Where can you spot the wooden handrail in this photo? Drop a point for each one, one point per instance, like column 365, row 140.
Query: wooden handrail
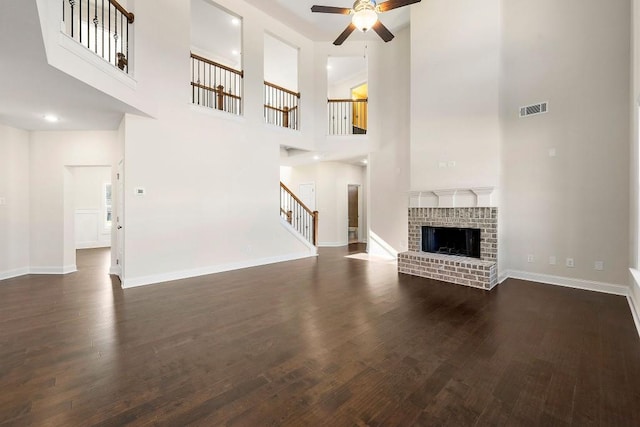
column 348, row 100
column 290, row 92
column 215, row 64
column 279, row 109
column 212, row 89
column 296, row 199
column 130, row 16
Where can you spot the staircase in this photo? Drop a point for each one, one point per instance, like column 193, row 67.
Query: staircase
column 298, row 215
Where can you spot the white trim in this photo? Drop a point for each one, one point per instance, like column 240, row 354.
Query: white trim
column 300, row 237
column 332, row 244
column 93, row 245
column 634, row 312
column 10, row 274
column 216, row 113
column 634, row 304
column 53, row 270
column 66, row 42
column 115, row 270
column 568, row 282
column 503, row 276
column 186, row 274
column 377, row 246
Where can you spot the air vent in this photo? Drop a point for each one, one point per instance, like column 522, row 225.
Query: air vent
column 534, row 110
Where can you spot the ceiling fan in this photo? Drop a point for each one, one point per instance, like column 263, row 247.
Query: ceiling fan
column 365, row 16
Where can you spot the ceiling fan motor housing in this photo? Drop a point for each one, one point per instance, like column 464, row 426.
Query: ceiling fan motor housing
column 365, row 12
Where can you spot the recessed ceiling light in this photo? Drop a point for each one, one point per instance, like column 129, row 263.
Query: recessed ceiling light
column 51, row 118
column 365, row 161
column 235, row 52
column 329, row 67
column 235, row 21
column 316, row 157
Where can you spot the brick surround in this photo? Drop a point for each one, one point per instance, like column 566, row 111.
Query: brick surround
column 479, row 273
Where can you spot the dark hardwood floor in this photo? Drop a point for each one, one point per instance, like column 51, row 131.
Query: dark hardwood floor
column 328, row 341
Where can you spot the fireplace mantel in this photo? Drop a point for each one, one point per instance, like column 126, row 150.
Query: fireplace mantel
column 477, row 197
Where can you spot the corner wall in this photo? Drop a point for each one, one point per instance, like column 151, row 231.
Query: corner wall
column 566, row 181
column 51, row 208
column 14, row 203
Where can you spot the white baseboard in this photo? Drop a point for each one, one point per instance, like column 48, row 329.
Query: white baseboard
column 332, row 244
column 53, row 270
column 186, row 274
column 588, row 285
column 10, row 274
column 503, row 276
column 633, row 305
column 93, row 245
column 115, row 270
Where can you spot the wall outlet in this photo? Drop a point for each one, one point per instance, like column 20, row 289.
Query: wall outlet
column 442, row 165
column 3, row 201
column 140, row 191
column 570, row 263
column 552, row 152
column 553, row 260
column 530, row 258
column 599, row 265
column 451, row 163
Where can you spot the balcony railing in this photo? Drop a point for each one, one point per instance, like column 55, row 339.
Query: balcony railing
column 281, row 106
column 102, row 26
column 216, row 86
column 347, row 116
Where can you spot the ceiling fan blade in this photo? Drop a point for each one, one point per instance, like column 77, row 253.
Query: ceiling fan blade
column 346, row 33
column 394, row 4
column 383, row 31
column 331, row 9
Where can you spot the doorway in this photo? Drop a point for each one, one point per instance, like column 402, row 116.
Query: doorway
column 359, row 113
column 353, row 206
column 308, row 195
column 87, row 216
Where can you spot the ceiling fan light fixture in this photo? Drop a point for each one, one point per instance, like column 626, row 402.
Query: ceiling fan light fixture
column 364, row 19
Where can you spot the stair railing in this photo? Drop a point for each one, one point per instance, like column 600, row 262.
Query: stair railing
column 281, row 106
column 347, row 116
column 101, row 26
column 215, row 85
column 298, row 215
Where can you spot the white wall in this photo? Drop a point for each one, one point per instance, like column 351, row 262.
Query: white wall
column 455, row 76
column 576, row 204
column 14, row 207
column 389, row 164
column 89, row 206
column 280, row 63
column 212, row 180
column 331, row 180
column 51, row 198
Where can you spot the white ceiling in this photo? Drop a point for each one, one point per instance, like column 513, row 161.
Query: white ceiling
column 214, row 34
column 30, row 88
column 322, row 26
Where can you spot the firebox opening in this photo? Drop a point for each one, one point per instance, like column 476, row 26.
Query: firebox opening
column 451, row 241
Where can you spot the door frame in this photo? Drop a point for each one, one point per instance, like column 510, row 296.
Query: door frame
column 360, row 211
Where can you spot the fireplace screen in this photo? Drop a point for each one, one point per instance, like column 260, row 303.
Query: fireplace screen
column 451, row 241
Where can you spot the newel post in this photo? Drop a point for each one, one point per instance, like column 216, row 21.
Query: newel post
column 220, row 97
column 315, row 228
column 285, row 119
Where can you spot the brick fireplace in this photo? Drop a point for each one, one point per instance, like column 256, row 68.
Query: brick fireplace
column 479, row 272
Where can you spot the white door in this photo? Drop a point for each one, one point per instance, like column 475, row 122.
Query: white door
column 308, row 195
column 119, row 219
